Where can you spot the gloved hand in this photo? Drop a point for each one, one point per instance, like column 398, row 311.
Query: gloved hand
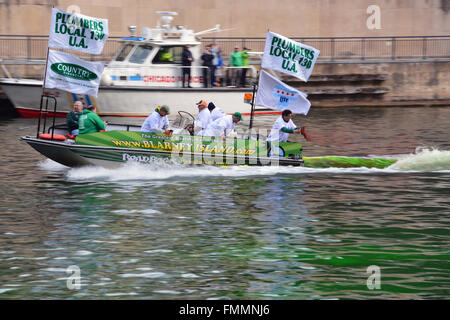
column 305, row 134
column 168, row 132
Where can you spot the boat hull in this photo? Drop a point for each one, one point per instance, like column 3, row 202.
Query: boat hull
column 73, row 155
column 126, row 101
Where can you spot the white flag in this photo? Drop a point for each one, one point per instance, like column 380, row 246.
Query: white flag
column 78, row 32
column 287, row 56
column 274, row 94
column 72, row 74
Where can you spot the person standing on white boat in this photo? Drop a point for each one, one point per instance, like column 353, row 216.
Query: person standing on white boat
column 157, row 122
column 204, row 117
column 284, row 126
column 73, row 116
column 216, row 112
column 186, row 62
column 223, row 126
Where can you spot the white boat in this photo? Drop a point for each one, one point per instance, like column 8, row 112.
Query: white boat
column 135, row 81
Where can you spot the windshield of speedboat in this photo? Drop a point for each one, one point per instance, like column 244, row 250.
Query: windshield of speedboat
column 123, row 52
column 140, row 54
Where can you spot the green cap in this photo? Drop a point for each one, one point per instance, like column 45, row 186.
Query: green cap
column 238, row 115
column 164, row 108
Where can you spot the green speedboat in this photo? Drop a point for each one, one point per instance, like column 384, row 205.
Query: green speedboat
column 124, row 143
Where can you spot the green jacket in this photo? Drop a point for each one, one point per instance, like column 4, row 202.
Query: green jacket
column 72, row 120
column 90, row 122
column 244, row 56
column 236, row 59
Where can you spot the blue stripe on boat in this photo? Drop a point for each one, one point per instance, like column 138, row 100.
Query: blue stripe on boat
column 134, row 78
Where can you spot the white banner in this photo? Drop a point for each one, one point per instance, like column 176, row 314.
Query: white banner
column 78, row 32
column 274, row 94
column 72, row 74
column 290, row 57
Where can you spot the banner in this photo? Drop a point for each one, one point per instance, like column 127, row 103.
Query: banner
column 77, row 32
column 287, row 56
column 274, row 94
column 72, row 74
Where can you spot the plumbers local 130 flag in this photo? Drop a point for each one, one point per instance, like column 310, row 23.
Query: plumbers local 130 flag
column 274, row 94
column 78, row 32
column 72, row 74
column 287, row 56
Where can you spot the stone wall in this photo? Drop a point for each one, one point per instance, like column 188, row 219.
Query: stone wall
column 378, row 84
column 248, row 18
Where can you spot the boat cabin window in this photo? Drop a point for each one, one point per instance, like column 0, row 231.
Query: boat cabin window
column 124, row 51
column 168, row 55
column 140, row 54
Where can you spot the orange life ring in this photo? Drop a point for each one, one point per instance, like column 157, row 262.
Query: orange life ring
column 48, row 136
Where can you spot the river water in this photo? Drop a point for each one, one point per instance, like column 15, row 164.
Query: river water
column 161, row 231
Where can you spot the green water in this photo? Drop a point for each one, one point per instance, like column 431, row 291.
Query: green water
column 172, row 232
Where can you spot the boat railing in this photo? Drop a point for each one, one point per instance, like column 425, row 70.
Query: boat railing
column 230, row 76
column 44, row 114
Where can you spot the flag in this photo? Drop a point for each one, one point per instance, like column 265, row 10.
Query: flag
column 274, row 94
column 287, row 56
column 77, row 32
column 72, row 74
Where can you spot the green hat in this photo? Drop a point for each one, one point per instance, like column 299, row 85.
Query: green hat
column 238, row 115
column 164, row 108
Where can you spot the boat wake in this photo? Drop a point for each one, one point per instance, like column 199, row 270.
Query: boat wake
column 423, row 160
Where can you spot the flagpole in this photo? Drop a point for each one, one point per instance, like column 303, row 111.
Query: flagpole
column 45, row 72
column 253, row 107
column 46, row 60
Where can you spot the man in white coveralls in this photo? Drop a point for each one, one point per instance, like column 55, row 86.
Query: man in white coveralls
column 223, row 126
column 216, row 112
column 283, row 126
column 203, row 119
column 157, row 121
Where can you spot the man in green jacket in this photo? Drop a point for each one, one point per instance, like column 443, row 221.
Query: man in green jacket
column 90, row 122
column 244, row 55
column 236, row 61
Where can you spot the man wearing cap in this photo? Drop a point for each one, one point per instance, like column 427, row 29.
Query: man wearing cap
column 223, row 126
column 157, row 121
column 203, row 118
column 216, row 112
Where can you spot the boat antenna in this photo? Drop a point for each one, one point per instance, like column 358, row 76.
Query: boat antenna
column 215, row 29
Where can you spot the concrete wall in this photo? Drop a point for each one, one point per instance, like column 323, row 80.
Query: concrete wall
column 407, row 83
column 247, row 18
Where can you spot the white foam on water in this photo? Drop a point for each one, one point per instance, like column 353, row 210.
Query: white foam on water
column 423, row 160
column 155, row 171
column 51, row 165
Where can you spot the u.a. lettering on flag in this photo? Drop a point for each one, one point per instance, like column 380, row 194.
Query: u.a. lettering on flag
column 288, row 56
column 69, row 73
column 274, row 94
column 77, row 32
